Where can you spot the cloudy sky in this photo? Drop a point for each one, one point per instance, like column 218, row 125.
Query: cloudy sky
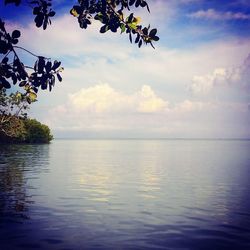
column 195, row 84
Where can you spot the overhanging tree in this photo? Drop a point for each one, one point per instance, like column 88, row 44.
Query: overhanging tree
column 43, row 73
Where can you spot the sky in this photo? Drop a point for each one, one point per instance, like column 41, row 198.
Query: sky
column 194, row 84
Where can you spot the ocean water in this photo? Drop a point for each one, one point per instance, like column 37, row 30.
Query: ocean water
column 125, row 194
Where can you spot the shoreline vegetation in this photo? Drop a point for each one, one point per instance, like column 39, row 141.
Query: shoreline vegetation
column 19, row 130
column 15, row 125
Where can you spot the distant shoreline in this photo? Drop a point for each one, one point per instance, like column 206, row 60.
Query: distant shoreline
column 167, row 139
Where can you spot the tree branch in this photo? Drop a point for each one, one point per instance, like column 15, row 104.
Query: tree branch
column 18, row 47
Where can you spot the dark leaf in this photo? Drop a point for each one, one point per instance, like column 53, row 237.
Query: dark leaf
column 130, row 37
column 152, row 45
column 4, row 47
column 56, row 65
column 39, row 20
column 137, row 38
column 140, row 44
column 52, row 81
column 36, row 10
column 44, row 85
column 156, row 38
column 35, row 89
column 22, row 83
column 14, row 41
column 153, row 32
column 48, row 66
column 52, row 13
column 59, row 77
column 131, row 2
column 130, row 18
column 4, row 83
column 145, row 31
column 5, row 60
column 14, row 79
column 41, row 64
column 16, row 34
column 104, row 28
column 45, row 22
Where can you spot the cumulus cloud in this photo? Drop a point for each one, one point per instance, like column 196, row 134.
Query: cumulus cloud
column 101, row 110
column 148, row 101
column 238, row 76
column 102, row 98
column 202, row 84
column 218, row 15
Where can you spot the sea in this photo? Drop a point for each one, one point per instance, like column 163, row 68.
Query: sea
column 126, row 194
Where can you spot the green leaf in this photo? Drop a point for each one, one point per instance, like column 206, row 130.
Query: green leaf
column 123, row 27
column 132, row 26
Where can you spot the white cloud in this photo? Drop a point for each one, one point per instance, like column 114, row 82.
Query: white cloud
column 193, row 106
column 101, row 108
column 148, row 101
column 102, row 98
column 217, row 15
column 237, row 76
column 202, row 84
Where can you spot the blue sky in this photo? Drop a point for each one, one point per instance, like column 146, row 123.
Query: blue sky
column 194, row 84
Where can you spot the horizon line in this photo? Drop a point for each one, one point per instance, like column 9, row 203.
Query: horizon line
column 141, row 138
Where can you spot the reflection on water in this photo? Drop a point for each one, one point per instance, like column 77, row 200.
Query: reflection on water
column 125, row 194
column 15, row 161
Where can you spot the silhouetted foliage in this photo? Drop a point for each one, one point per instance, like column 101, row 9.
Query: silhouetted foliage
column 43, row 74
column 13, row 70
column 111, row 14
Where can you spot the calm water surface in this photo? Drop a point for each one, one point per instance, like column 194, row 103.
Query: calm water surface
column 125, row 194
